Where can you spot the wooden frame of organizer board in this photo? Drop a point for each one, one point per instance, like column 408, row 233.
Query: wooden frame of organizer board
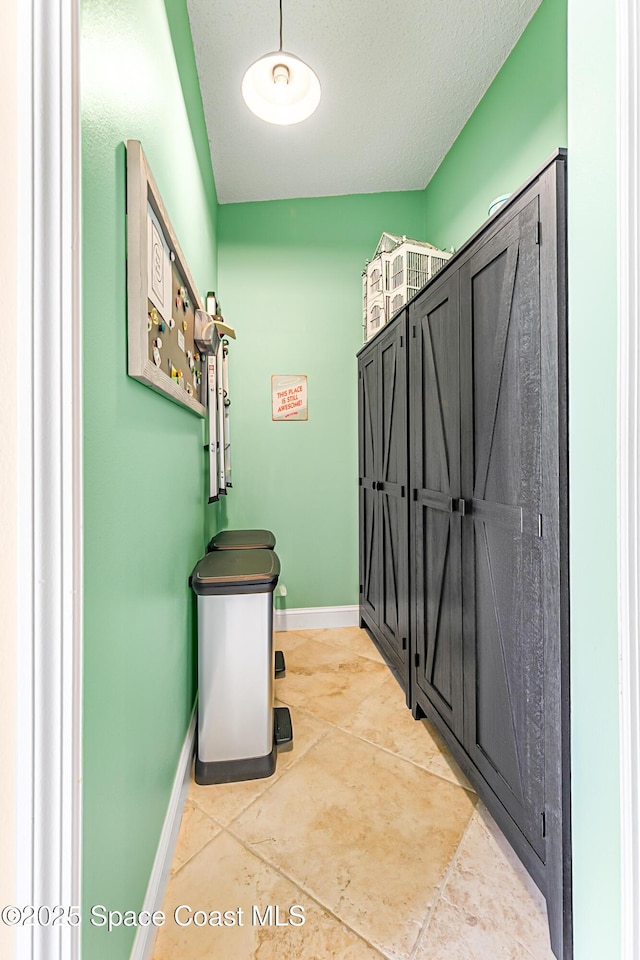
column 162, row 297
column 162, row 300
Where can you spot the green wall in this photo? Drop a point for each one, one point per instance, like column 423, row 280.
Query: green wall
column 143, row 455
column 521, row 119
column 592, row 476
column 290, row 284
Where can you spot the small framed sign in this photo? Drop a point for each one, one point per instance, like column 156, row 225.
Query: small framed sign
column 289, row 398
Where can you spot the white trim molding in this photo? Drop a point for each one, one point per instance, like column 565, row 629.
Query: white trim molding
column 316, row 618
column 146, row 935
column 628, row 149
column 50, row 470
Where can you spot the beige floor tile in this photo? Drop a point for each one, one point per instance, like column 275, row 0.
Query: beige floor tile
column 288, row 640
column 383, row 719
column 454, row 934
column 225, row 876
column 196, row 830
column 489, row 882
column 353, row 639
column 369, row 818
column 327, row 681
column 224, row 801
column 366, row 833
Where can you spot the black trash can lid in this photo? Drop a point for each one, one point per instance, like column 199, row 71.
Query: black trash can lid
column 229, row 572
column 242, row 540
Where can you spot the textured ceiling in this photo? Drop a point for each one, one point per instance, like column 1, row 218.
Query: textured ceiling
column 399, row 80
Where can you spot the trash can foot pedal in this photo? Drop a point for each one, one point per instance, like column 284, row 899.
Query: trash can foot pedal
column 283, row 729
column 281, row 667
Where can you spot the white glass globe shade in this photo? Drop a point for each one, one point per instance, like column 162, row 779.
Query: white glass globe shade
column 287, row 97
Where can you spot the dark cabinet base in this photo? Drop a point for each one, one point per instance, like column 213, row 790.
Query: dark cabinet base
column 398, row 666
column 526, row 853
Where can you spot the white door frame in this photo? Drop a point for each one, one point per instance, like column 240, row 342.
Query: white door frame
column 50, row 466
column 628, row 149
column 50, row 476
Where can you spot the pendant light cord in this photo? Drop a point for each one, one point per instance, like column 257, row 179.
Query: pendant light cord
column 280, row 47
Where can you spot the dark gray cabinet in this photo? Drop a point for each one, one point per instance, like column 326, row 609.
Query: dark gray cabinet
column 486, row 428
column 503, row 530
column 382, row 382
column 436, row 490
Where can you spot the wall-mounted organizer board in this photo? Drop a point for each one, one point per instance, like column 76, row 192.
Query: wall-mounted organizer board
column 161, row 295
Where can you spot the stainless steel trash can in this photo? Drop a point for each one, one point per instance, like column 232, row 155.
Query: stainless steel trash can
column 238, row 727
column 250, row 540
column 242, row 540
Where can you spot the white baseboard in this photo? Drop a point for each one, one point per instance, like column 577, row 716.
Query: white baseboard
column 145, row 937
column 316, row 618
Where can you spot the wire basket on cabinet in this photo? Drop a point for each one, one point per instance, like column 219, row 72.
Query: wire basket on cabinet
column 399, row 268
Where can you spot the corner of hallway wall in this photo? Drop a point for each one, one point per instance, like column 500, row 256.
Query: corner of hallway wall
column 180, row 29
column 143, row 455
column 214, row 516
column 520, row 121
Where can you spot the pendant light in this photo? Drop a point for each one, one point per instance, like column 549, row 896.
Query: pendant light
column 281, row 88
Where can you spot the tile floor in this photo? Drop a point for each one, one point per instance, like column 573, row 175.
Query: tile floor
column 367, row 824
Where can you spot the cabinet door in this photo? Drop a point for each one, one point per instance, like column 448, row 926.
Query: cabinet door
column 435, row 482
column 502, row 588
column 392, row 491
column 368, row 416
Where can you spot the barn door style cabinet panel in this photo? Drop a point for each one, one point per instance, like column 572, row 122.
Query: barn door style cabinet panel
column 436, row 529
column 384, row 599
column 484, row 453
